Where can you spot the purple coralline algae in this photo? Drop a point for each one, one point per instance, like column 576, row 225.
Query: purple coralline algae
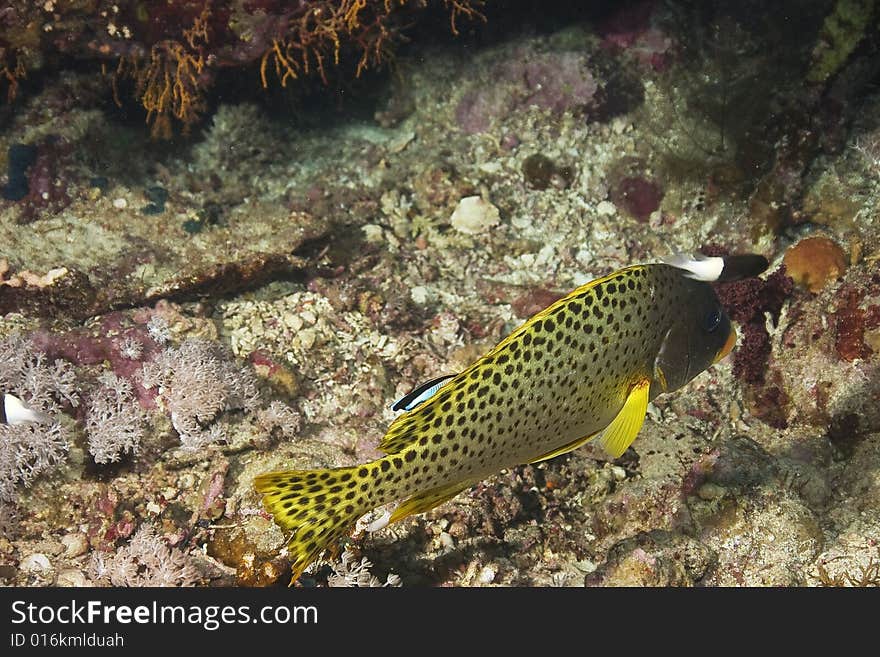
column 553, row 81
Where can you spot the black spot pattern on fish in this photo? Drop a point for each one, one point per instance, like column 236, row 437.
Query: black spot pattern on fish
column 579, row 358
column 561, row 376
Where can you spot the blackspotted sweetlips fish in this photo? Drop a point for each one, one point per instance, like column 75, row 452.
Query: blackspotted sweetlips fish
column 583, row 368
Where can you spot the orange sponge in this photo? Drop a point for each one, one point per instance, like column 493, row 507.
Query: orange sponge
column 814, row 262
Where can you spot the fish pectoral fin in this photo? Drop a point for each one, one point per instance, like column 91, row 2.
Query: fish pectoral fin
column 428, row 500
column 568, row 447
column 624, row 428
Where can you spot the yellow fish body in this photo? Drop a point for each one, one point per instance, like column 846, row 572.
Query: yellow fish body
column 587, row 364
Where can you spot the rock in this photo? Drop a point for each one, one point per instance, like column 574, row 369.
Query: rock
column 762, row 532
column 72, row 578
column 764, row 540
column 246, row 549
column 656, row 558
column 710, row 491
column 74, row 544
column 37, row 563
column 474, row 215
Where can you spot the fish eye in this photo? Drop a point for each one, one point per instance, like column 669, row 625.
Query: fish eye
column 713, row 319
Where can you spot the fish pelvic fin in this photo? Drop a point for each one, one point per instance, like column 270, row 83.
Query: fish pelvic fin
column 428, row 500
column 624, row 428
column 319, row 507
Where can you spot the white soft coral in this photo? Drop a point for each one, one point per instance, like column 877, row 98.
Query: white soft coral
column 196, row 382
column 29, row 448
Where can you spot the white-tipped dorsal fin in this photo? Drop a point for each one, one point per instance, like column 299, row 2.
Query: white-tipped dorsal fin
column 699, row 267
column 15, row 412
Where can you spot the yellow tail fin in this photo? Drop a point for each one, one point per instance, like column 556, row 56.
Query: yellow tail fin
column 320, row 507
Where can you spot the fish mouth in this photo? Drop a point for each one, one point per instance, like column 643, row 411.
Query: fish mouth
column 731, row 342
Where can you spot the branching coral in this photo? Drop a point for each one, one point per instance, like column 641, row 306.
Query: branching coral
column 308, row 39
column 278, row 416
column 746, row 302
column 196, row 382
column 171, row 83
column 114, row 421
column 30, row 448
column 11, row 70
column 868, row 575
column 20, row 38
column 349, row 572
column 842, row 31
column 169, row 86
column 25, row 373
column 319, row 33
column 26, row 450
column 145, row 561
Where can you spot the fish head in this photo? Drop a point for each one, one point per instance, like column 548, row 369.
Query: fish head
column 701, row 334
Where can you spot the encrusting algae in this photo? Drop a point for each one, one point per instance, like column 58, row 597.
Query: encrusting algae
column 587, row 364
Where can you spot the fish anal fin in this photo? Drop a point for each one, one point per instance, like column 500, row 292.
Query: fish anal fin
column 568, row 447
column 428, row 500
column 624, row 428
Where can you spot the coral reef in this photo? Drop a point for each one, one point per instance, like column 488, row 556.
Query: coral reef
column 192, row 313
column 554, row 81
column 350, row 571
column 173, row 52
column 144, row 561
column 749, row 302
column 30, row 448
column 842, row 31
column 195, row 382
column 114, row 421
column 27, row 450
